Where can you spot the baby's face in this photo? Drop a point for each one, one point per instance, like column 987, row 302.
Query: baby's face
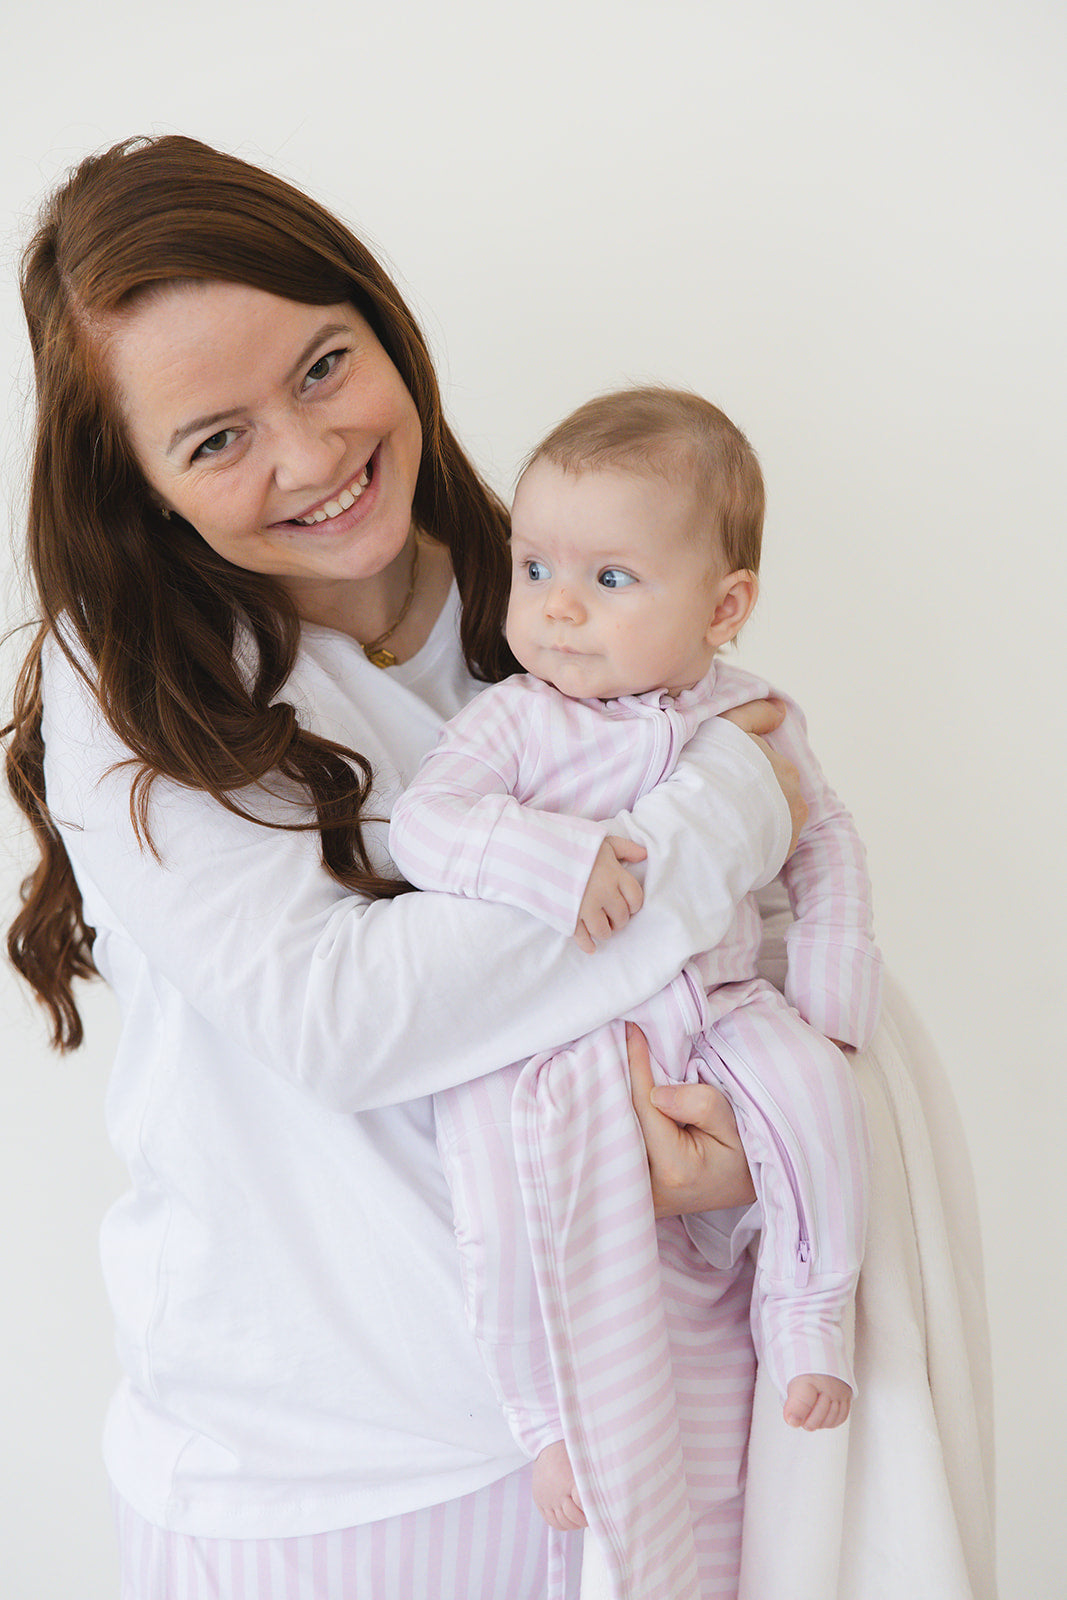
column 613, row 582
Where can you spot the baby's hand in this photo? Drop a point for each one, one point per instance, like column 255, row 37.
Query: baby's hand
column 612, row 894
column 815, row 1401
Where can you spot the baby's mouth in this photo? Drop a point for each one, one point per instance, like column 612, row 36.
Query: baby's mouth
column 347, row 497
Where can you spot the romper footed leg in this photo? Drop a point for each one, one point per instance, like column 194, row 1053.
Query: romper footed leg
column 708, row 1312
column 585, row 1178
column 802, row 1124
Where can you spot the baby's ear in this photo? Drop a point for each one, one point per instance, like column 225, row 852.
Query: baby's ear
column 734, row 597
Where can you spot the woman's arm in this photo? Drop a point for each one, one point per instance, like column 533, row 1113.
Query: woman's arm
column 369, row 1004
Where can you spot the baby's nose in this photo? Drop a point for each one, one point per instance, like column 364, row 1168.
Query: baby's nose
column 564, row 604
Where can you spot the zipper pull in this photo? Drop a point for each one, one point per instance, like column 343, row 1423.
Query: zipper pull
column 803, row 1263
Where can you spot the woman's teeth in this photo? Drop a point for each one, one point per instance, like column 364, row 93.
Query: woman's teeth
column 333, row 508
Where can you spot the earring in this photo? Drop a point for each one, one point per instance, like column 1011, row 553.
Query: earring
column 164, row 511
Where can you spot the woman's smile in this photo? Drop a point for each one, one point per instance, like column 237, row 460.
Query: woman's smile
column 332, row 509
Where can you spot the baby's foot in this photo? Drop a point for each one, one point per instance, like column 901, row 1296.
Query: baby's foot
column 554, row 1491
column 815, row 1401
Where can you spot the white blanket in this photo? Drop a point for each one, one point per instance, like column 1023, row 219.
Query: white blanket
column 897, row 1504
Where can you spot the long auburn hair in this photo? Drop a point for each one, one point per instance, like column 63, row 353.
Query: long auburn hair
column 154, row 609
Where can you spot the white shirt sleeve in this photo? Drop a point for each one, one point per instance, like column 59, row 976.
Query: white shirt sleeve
column 368, row 1004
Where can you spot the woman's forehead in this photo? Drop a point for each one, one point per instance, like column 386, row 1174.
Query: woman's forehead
column 194, row 348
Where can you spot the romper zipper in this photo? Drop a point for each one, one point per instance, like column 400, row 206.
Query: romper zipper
column 796, row 1173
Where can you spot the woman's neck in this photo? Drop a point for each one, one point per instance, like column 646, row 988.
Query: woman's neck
column 386, row 603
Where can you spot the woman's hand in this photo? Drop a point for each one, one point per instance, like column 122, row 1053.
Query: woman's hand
column 694, row 1150
column 763, row 716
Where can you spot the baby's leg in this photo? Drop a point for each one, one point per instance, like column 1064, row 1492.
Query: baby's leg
column 708, row 1313
column 475, row 1141
column 801, row 1119
column 595, row 1247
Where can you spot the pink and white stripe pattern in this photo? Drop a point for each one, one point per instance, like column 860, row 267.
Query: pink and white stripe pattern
column 476, row 1144
column 655, row 1424
column 491, row 1545
column 460, row 829
column 802, row 1123
column 642, row 1419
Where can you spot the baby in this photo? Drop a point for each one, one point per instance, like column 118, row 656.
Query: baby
column 636, row 533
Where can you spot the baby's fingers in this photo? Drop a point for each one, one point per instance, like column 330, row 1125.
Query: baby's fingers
column 626, row 898
column 604, row 920
column 626, row 849
column 599, row 922
column 632, row 893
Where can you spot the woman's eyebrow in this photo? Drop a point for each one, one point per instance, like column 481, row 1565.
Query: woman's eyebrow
column 196, row 426
column 328, row 331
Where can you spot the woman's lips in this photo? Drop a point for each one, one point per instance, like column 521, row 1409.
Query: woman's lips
column 343, row 501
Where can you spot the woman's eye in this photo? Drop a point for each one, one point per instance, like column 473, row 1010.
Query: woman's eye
column 216, row 444
column 615, row 578
column 536, row 571
column 322, row 368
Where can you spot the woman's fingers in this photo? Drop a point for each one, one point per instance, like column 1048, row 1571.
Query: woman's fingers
column 695, row 1158
column 700, row 1105
column 757, row 716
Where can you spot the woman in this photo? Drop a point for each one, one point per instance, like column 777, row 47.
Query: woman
column 246, row 513
column 243, row 476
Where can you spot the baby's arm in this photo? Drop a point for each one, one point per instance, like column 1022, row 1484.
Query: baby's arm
column 458, row 827
column 834, row 975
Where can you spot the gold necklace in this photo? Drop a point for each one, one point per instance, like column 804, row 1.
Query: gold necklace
column 373, row 651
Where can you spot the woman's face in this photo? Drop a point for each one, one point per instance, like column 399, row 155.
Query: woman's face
column 281, row 431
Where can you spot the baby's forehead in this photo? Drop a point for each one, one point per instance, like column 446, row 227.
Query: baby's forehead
column 674, row 458
column 641, row 495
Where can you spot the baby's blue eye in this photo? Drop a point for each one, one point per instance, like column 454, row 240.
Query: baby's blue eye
column 615, row 578
column 537, row 572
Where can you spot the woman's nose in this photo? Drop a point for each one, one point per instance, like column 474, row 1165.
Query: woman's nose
column 306, row 455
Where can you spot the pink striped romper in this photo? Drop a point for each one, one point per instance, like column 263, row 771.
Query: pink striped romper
column 616, row 1336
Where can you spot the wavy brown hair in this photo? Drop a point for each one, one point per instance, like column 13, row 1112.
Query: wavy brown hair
column 154, row 609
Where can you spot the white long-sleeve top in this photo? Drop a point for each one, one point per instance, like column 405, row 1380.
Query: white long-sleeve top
column 513, row 803
column 282, row 1269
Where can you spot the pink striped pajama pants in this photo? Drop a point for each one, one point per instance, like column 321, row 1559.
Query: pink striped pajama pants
column 641, row 1358
column 491, row 1545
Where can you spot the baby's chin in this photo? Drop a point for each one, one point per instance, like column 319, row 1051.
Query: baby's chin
column 579, row 684
column 579, row 675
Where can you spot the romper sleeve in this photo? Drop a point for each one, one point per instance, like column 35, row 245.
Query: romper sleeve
column 459, row 826
column 834, row 972
column 363, row 1003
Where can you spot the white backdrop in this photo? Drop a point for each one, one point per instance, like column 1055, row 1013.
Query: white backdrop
column 845, row 224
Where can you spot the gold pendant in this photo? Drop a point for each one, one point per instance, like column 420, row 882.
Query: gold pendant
column 379, row 658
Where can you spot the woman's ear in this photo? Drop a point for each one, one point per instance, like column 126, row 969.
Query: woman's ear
column 734, row 597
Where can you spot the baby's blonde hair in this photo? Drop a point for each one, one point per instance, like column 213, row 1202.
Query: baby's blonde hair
column 681, row 436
